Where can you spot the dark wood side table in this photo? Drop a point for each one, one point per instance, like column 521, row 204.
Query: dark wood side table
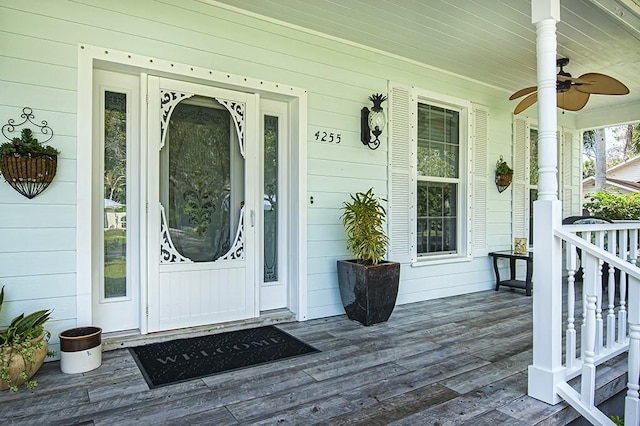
column 512, row 281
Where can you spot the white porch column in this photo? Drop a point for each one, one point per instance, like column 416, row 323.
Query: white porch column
column 546, row 370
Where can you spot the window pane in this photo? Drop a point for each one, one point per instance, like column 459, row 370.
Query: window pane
column 437, row 217
column 533, row 196
column 533, row 157
column 115, row 195
column 438, row 142
column 270, row 197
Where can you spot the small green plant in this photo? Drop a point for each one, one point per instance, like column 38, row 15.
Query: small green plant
column 27, row 146
column 502, row 168
column 615, row 206
column 619, row 421
column 363, row 219
column 25, row 337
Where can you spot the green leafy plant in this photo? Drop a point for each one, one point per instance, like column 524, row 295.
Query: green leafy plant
column 363, row 219
column 615, row 206
column 23, row 338
column 619, row 421
column 27, row 146
column 502, row 168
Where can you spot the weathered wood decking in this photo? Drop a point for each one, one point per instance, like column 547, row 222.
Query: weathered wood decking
column 458, row 360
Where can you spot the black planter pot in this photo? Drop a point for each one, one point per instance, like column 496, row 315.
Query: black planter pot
column 368, row 292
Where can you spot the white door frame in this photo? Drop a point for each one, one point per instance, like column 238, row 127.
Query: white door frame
column 90, row 57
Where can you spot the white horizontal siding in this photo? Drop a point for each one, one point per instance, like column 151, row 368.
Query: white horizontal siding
column 629, row 171
column 38, row 61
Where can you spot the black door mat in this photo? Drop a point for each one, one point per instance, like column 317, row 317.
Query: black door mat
column 186, row 359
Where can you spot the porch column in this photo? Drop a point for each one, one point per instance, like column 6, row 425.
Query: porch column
column 546, row 370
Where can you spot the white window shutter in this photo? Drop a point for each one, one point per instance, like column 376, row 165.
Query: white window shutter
column 520, row 207
column 482, row 177
column 401, row 116
column 568, row 182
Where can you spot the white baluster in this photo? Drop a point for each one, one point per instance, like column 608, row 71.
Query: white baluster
column 633, row 246
column 599, row 321
column 571, row 302
column 587, row 236
column 611, row 291
column 587, row 387
column 622, row 312
column 632, row 402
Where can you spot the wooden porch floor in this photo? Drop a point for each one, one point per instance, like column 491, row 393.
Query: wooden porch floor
column 458, row 360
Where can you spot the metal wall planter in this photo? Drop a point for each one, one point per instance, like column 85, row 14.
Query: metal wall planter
column 27, row 165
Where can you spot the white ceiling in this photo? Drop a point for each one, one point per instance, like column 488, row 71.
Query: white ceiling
column 492, row 41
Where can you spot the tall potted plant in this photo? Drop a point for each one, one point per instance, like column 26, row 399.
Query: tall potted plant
column 23, row 348
column 368, row 283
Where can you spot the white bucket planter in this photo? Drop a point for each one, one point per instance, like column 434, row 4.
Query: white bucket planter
column 80, row 349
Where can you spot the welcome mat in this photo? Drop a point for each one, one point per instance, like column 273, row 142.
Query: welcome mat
column 186, row 359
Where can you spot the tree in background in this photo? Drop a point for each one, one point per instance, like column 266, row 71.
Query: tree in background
column 633, row 135
column 601, row 158
column 626, row 144
column 623, row 143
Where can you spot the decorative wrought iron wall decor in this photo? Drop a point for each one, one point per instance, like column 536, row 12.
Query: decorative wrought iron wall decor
column 27, row 165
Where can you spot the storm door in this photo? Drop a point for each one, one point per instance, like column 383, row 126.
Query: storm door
column 202, row 180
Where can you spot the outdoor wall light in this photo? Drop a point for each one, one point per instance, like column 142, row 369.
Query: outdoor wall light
column 372, row 122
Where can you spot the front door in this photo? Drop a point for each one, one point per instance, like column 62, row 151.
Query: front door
column 203, row 192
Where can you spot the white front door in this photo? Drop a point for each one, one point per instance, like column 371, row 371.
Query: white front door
column 203, row 195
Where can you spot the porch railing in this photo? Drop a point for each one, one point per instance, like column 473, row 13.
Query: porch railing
column 602, row 315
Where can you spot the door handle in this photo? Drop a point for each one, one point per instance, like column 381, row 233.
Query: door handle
column 253, row 218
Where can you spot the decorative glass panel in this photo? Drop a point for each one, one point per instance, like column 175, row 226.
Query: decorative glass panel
column 437, row 220
column 270, row 198
column 202, row 179
column 115, row 195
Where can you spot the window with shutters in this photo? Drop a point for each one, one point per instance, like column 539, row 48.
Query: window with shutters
column 525, row 178
column 438, row 184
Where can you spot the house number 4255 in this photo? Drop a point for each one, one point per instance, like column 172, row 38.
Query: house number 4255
column 330, row 137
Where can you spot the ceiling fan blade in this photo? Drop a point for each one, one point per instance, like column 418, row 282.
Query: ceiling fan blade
column 523, row 92
column 572, row 100
column 526, row 103
column 600, row 84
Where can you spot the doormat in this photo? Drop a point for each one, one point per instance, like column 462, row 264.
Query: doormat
column 186, row 359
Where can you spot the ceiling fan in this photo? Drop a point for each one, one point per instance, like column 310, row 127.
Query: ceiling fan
column 573, row 93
